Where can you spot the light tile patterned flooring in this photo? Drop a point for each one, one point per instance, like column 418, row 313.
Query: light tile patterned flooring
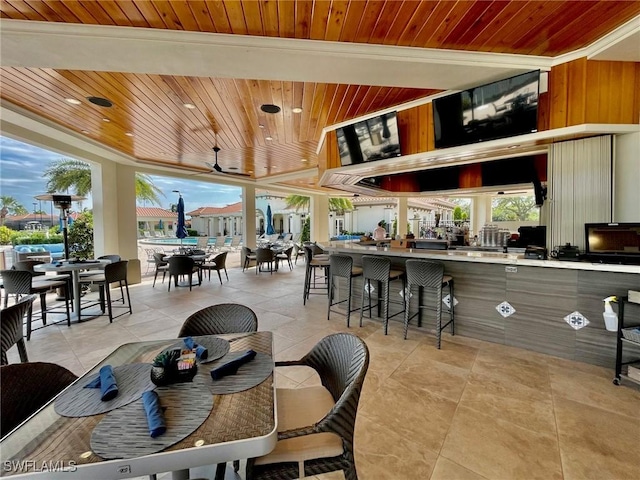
column 470, row 411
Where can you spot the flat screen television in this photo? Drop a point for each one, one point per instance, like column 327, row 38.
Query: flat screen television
column 497, row 110
column 373, row 139
column 613, row 242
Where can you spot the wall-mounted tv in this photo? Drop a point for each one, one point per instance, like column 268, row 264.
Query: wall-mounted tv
column 373, row 139
column 613, row 242
column 497, row 110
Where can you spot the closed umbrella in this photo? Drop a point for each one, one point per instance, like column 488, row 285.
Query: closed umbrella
column 270, row 230
column 181, row 229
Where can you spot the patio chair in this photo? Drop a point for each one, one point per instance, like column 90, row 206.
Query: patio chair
column 220, row 319
column 20, row 282
column 150, row 257
column 115, row 272
column 264, row 255
column 249, row 256
column 11, row 328
column 26, row 387
column 183, row 265
column 236, row 241
column 227, row 243
column 161, row 266
column 316, row 424
column 285, row 255
column 217, row 263
column 298, row 251
column 219, row 244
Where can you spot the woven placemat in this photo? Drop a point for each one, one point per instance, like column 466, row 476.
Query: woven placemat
column 124, row 433
column 248, row 376
column 216, row 347
column 132, row 380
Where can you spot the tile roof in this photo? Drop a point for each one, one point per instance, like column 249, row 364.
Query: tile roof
column 233, row 208
column 155, row 212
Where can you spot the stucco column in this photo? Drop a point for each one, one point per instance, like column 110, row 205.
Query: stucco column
column 480, row 213
column 402, row 216
column 319, row 218
column 249, row 215
column 115, row 227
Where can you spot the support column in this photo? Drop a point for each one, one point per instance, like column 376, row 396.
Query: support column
column 403, row 203
column 480, row 213
column 249, row 215
column 319, row 218
column 115, row 227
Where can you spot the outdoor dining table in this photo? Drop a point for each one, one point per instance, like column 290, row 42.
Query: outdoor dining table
column 75, row 269
column 238, row 422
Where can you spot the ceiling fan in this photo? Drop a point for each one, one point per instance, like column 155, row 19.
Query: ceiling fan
column 217, row 168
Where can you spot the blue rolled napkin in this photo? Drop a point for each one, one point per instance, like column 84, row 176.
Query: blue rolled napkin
column 201, row 352
column 155, row 417
column 231, row 367
column 106, row 382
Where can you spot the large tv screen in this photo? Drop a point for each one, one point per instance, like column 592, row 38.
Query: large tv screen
column 373, row 139
column 497, row 110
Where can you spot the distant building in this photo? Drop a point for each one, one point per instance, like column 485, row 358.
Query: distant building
column 156, row 222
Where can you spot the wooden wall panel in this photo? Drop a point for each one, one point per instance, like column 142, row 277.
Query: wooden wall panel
column 470, row 176
column 404, row 182
column 589, row 91
column 544, row 109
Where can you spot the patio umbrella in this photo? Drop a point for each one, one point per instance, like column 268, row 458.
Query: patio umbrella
column 181, row 229
column 270, row 230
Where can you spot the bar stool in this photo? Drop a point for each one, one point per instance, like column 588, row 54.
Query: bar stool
column 428, row 275
column 341, row 266
column 379, row 270
column 313, row 264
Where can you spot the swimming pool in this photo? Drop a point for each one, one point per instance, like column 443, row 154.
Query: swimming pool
column 176, row 241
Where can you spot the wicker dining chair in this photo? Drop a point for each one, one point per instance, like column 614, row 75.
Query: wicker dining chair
column 26, row 387
column 217, row 263
column 161, row 266
column 114, row 273
column 318, row 418
column 249, row 256
column 285, row 255
column 265, row 255
column 11, row 328
column 182, row 265
column 220, row 319
column 21, row 282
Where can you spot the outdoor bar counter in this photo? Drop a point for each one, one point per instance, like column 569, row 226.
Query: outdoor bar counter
column 548, row 299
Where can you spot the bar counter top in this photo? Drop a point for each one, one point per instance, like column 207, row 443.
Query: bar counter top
column 476, row 257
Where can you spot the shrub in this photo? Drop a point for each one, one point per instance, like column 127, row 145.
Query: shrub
column 306, row 230
column 5, row 235
column 81, row 236
column 192, row 232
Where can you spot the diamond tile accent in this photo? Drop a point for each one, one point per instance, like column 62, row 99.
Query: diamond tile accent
column 402, row 292
column 576, row 320
column 505, row 309
column 446, row 301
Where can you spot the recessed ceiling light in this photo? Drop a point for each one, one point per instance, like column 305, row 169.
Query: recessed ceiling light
column 260, row 125
column 249, row 171
column 85, row 131
column 190, row 106
column 101, row 102
column 129, row 134
column 514, row 146
column 268, row 137
column 106, row 120
column 270, row 108
column 72, row 101
column 305, row 160
column 296, row 110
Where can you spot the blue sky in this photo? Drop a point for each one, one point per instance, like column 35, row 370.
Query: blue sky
column 21, row 167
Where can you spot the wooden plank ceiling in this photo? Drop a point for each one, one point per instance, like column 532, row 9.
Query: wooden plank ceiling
column 151, row 107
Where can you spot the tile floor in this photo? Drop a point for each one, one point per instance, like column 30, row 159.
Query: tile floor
column 472, row 410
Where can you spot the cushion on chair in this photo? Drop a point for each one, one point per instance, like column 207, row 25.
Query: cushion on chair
column 297, row 408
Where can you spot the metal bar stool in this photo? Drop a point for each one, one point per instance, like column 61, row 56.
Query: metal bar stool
column 379, row 270
column 341, row 266
column 313, row 264
column 429, row 275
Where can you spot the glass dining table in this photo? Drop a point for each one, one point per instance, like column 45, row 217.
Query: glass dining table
column 236, row 419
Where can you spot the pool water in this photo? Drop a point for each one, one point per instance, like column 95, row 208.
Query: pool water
column 176, row 241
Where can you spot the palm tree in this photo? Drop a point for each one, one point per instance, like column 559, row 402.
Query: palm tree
column 9, row 205
column 336, row 204
column 66, row 174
